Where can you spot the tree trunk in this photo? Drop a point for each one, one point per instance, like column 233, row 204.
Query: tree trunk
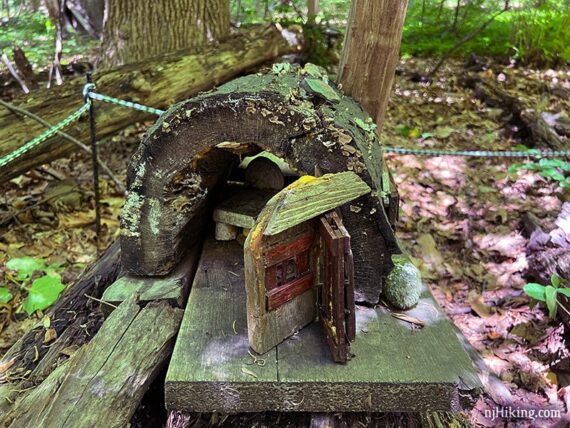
column 133, row 32
column 312, row 10
column 159, row 84
column 371, row 53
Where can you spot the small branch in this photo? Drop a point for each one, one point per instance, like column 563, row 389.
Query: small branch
column 465, row 39
column 14, row 73
column 100, row 301
column 118, row 185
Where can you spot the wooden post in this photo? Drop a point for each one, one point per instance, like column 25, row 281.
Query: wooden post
column 371, row 53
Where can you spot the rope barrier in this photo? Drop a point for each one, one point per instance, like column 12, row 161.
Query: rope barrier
column 481, row 153
column 88, row 92
column 10, row 157
column 89, row 95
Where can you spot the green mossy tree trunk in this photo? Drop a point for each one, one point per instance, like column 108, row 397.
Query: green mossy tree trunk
column 133, row 31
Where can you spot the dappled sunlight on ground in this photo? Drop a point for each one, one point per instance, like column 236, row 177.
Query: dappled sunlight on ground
column 460, row 218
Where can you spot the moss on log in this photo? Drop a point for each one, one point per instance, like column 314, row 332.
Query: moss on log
column 296, row 114
column 103, row 383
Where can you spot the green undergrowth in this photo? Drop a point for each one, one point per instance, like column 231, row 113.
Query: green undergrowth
column 34, row 33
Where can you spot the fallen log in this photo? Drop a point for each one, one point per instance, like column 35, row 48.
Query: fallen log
column 31, row 359
column 103, row 383
column 533, row 121
column 159, row 82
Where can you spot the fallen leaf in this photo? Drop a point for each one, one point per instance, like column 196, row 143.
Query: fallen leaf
column 429, row 251
column 476, row 302
column 50, row 335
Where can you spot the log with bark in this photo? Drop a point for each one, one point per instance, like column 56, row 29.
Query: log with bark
column 295, row 114
column 159, row 82
column 73, row 321
column 534, row 122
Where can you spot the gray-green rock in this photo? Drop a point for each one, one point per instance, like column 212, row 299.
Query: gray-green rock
column 403, row 283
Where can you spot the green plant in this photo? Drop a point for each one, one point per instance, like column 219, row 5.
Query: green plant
column 43, row 290
column 553, row 169
column 548, row 293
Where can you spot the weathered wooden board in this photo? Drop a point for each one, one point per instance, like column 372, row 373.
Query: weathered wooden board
column 213, row 348
column 173, row 287
column 103, row 383
column 310, row 197
column 395, row 368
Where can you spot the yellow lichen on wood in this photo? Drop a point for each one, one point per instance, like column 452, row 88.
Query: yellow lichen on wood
column 311, row 196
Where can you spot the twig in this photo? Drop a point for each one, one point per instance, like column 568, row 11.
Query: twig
column 100, row 301
column 465, row 39
column 14, row 73
column 118, row 185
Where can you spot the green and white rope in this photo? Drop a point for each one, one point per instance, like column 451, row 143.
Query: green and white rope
column 88, row 92
column 10, row 157
column 89, row 95
column 481, row 153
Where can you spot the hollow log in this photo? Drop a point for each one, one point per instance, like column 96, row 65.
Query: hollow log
column 159, row 83
column 297, row 115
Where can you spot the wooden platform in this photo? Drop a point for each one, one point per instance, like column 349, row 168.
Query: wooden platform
column 396, row 367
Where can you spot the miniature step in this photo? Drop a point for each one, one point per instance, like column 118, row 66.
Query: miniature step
column 173, row 287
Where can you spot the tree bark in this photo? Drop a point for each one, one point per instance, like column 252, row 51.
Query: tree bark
column 371, row 53
column 159, row 83
column 312, row 10
column 133, row 32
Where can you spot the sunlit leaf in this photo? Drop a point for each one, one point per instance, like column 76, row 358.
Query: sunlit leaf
column 550, row 293
column 536, row 291
column 5, row 295
column 555, row 280
column 42, row 294
column 25, row 266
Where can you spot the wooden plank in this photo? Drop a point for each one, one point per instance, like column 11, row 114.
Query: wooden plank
column 393, row 362
column 396, row 368
column 106, row 379
column 242, row 208
column 211, row 367
column 310, row 197
column 172, row 288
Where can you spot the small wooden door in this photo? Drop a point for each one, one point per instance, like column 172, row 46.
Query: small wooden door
column 298, row 264
column 335, row 297
column 288, row 270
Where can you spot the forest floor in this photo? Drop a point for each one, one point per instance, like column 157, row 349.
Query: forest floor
column 460, row 219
